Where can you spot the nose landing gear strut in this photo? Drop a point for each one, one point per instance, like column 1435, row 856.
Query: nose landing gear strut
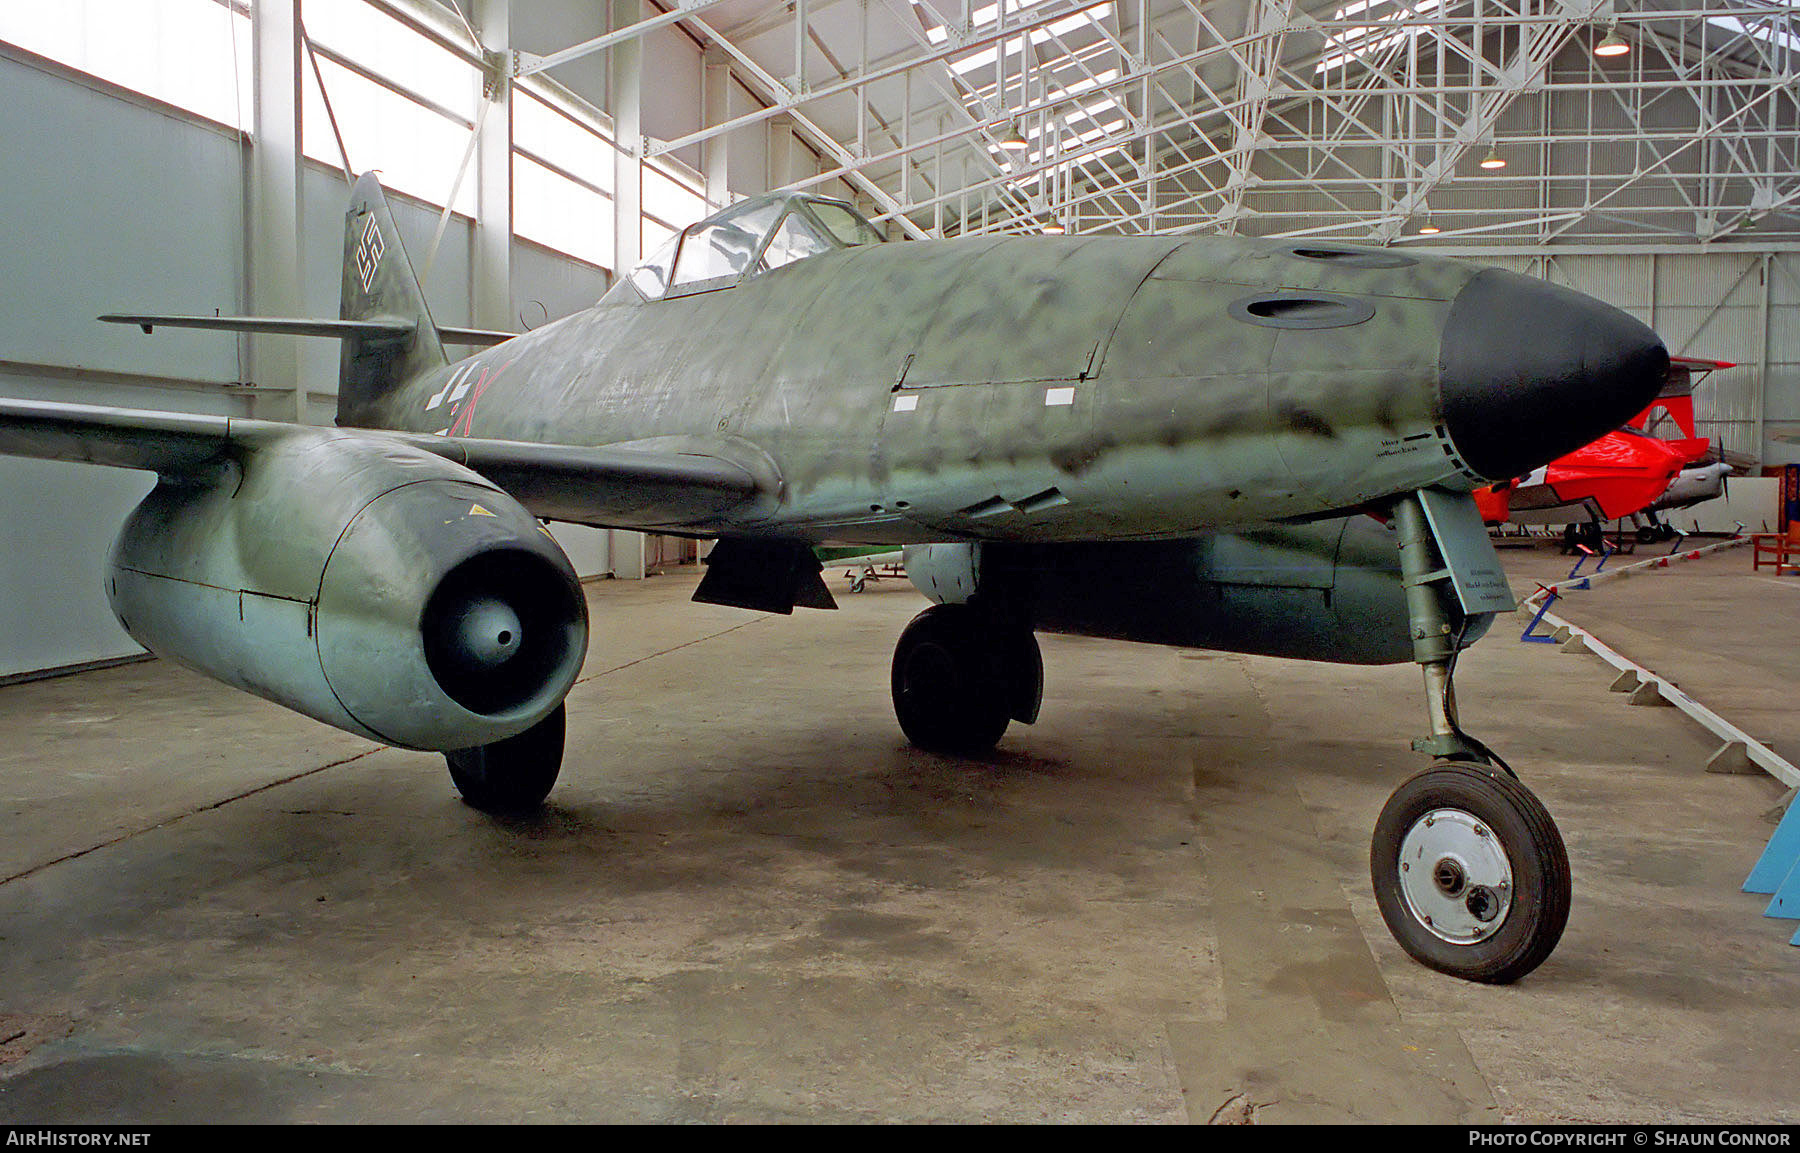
column 1469, row 870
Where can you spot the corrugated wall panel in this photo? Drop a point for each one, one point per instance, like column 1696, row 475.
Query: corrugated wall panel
column 1704, row 278
column 1623, row 281
column 1781, row 389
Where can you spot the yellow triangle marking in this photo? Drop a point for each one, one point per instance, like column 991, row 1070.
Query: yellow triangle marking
column 477, row 510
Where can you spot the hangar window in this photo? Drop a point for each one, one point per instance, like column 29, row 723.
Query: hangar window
column 193, row 54
column 562, row 213
column 671, row 203
column 1382, row 24
column 417, row 148
column 562, row 180
column 401, row 82
column 1078, row 59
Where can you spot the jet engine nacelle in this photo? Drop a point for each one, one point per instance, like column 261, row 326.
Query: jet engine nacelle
column 1327, row 591
column 366, row 583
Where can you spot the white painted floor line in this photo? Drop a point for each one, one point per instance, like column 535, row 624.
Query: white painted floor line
column 1758, row 753
column 1578, row 582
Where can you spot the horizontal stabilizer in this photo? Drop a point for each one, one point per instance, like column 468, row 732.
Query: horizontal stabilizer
column 277, row 325
column 481, row 336
column 291, row 326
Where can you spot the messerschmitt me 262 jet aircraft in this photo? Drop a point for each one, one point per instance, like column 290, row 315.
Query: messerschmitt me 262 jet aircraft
column 1249, row 446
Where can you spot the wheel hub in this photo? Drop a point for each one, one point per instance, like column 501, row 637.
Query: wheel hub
column 1455, row 876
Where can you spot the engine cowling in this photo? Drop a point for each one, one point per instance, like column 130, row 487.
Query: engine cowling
column 1329, row 591
column 363, row 582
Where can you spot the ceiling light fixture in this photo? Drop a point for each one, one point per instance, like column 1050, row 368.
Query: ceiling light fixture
column 1493, row 160
column 1428, row 228
column 1612, row 44
column 1054, row 228
column 1013, row 141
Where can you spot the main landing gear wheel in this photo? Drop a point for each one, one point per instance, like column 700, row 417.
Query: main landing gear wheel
column 1470, row 873
column 513, row 776
column 958, row 677
column 1587, row 534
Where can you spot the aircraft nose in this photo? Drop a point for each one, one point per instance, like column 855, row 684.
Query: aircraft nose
column 1529, row 371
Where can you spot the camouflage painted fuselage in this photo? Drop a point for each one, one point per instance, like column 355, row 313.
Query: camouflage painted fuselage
column 1003, row 388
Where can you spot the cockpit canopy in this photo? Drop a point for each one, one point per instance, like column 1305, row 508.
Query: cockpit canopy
column 747, row 238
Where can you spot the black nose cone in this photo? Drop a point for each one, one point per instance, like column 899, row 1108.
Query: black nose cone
column 1530, row 371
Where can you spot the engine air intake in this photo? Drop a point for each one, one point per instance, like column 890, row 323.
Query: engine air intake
column 497, row 628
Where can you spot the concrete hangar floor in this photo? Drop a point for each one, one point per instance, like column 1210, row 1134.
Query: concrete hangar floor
column 749, row 900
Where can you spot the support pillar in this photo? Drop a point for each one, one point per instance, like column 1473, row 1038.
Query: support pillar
column 785, row 153
column 715, row 164
column 627, row 550
column 625, row 74
column 274, row 264
column 490, row 303
column 625, row 96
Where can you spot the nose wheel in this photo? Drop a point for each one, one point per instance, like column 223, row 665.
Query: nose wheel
column 1470, row 873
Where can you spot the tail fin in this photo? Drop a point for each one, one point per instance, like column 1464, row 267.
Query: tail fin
column 379, row 285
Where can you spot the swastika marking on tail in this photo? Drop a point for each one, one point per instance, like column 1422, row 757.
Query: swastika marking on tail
column 368, row 253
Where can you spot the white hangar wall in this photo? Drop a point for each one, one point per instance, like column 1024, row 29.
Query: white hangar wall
column 117, row 202
column 146, row 211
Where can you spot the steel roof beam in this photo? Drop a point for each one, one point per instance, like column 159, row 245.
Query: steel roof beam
column 528, row 64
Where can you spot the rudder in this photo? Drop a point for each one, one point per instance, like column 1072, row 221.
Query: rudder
column 379, row 284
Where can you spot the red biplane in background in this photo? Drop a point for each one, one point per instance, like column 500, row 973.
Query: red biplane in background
column 1631, row 471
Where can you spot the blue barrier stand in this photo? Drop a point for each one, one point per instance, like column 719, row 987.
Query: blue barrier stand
column 1778, row 860
column 1531, row 634
column 1785, row 904
column 1605, row 554
column 1778, row 857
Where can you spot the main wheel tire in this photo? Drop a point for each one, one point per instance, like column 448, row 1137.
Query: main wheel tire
column 513, row 776
column 949, row 683
column 1470, row 873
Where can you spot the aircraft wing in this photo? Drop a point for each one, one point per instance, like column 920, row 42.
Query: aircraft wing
column 622, row 485
column 618, row 485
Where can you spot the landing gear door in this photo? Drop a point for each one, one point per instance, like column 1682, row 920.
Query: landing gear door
column 1469, row 555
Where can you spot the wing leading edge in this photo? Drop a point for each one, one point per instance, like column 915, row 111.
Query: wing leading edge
column 616, row 485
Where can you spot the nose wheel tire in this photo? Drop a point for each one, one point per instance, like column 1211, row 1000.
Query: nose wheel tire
column 1470, row 873
column 511, row 777
column 949, row 686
